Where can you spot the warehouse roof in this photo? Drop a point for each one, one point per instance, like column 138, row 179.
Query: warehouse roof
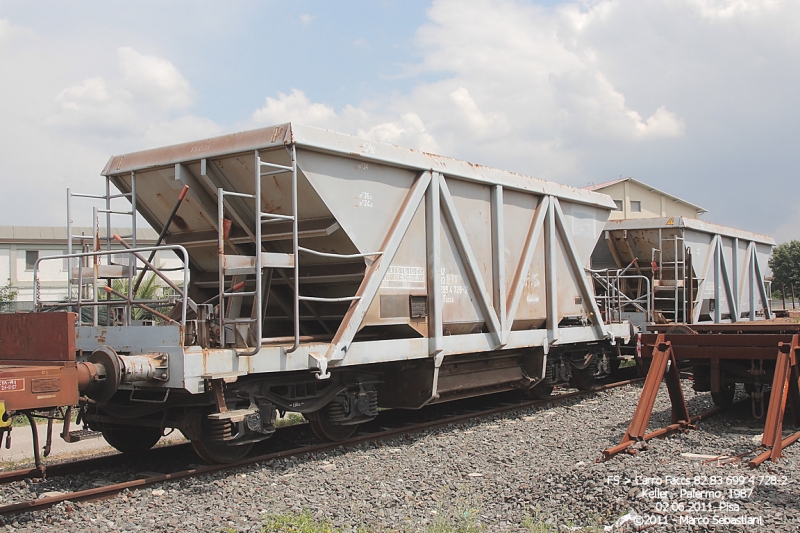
column 58, row 234
column 600, row 186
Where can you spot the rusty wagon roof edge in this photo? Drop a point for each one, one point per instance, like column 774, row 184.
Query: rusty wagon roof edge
column 690, row 223
column 321, row 140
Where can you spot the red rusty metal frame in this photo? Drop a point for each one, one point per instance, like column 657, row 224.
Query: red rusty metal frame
column 713, row 346
column 664, row 365
column 785, row 386
column 36, row 338
column 716, row 343
column 37, row 360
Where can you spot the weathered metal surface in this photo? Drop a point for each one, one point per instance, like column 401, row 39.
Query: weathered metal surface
column 664, row 365
column 722, row 349
column 234, row 145
column 785, row 389
column 760, row 327
column 745, row 340
column 723, row 267
column 140, row 340
column 716, row 346
column 38, row 386
column 443, row 233
column 37, row 337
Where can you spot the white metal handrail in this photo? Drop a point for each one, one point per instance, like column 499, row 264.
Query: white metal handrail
column 615, row 300
column 130, row 301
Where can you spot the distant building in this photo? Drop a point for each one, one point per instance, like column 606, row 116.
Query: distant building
column 636, row 200
column 22, row 246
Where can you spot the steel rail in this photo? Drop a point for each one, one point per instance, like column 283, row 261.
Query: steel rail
column 79, row 466
column 104, row 492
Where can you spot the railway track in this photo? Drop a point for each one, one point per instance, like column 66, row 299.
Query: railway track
column 106, row 462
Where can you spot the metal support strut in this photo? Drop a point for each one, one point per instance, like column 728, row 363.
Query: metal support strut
column 785, row 386
column 663, row 366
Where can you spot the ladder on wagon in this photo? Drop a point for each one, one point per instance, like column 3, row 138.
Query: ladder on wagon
column 670, row 277
column 103, row 259
column 234, row 269
column 77, row 267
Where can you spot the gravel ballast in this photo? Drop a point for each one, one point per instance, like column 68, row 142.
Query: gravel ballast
column 515, row 472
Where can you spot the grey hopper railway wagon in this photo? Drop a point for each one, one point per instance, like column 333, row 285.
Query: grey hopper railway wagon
column 327, row 275
column 681, row 270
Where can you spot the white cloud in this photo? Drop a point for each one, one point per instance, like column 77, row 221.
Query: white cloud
column 408, row 131
column 528, row 64
column 92, row 90
column 294, row 107
column 479, row 122
column 8, row 31
column 154, row 80
column 672, row 92
column 589, row 104
column 514, row 80
column 88, row 107
column 5, row 29
column 662, row 123
column 132, row 105
column 183, row 129
column 723, row 9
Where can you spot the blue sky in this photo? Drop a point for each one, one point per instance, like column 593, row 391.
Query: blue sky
column 696, row 97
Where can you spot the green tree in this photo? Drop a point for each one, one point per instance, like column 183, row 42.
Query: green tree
column 7, row 293
column 148, row 290
column 785, row 265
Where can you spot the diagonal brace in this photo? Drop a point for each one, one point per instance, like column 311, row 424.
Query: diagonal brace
column 664, row 365
column 784, row 387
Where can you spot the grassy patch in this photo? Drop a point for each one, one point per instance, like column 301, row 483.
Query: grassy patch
column 626, row 363
column 297, row 523
column 534, row 524
column 290, row 419
column 461, row 522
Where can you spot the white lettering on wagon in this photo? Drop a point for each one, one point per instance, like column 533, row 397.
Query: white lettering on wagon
column 452, row 286
column 364, row 199
column 404, row 277
column 12, row 384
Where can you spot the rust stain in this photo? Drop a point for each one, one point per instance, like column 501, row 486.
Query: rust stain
column 206, row 355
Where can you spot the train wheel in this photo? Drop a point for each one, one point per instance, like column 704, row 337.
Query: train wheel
column 540, row 391
column 215, row 451
column 132, row 440
column 724, row 398
column 219, row 452
column 681, row 330
column 583, row 379
column 325, row 430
